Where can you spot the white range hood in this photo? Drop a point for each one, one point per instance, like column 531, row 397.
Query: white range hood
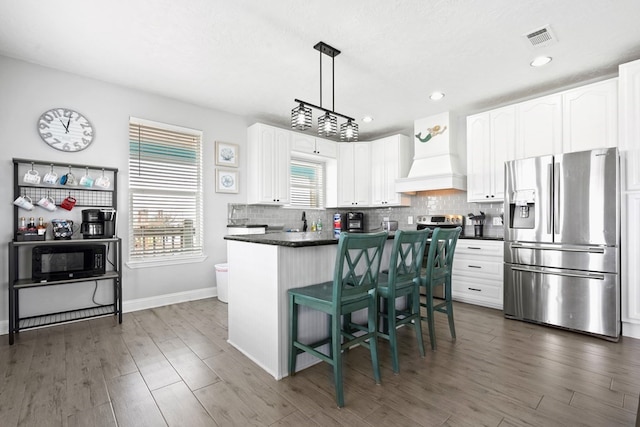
column 435, row 162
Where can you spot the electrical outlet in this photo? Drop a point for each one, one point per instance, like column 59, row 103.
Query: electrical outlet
column 497, row 220
column 410, row 220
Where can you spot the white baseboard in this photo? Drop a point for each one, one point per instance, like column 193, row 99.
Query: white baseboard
column 631, row 330
column 150, row 302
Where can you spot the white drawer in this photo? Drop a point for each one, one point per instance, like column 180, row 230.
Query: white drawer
column 477, row 292
column 478, row 267
column 491, row 248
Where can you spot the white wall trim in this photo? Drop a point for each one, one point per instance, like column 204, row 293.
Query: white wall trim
column 150, row 302
column 631, row 330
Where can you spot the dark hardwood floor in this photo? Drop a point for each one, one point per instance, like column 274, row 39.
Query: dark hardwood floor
column 173, row 366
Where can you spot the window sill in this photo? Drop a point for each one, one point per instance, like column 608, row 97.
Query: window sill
column 165, row 261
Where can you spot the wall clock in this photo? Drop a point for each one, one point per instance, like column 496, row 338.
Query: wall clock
column 65, row 129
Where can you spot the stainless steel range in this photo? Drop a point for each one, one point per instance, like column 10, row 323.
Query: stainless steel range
column 442, row 221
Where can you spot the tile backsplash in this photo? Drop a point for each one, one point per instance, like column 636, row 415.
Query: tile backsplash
column 427, row 203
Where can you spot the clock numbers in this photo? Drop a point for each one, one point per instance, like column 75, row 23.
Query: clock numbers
column 65, row 129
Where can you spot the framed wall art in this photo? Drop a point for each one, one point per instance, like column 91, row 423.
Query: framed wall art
column 226, row 181
column 226, row 154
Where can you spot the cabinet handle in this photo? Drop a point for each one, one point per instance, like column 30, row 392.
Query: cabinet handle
column 475, row 289
column 474, row 266
column 474, row 247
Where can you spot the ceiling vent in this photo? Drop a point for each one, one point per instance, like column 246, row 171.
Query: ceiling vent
column 541, row 37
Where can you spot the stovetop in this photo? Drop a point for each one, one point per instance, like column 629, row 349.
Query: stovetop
column 450, row 220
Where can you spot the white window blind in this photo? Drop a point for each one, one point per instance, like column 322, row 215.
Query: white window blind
column 307, row 183
column 165, row 191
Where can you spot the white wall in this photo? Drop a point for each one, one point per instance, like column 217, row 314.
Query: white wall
column 26, row 91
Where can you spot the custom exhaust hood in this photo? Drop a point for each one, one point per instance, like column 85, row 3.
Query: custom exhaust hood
column 435, row 162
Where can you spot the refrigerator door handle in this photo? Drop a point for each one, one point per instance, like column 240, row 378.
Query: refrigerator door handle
column 589, row 249
column 550, row 206
column 556, row 197
column 596, row 276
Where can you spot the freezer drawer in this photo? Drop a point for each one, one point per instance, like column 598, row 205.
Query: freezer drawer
column 579, row 300
column 573, row 257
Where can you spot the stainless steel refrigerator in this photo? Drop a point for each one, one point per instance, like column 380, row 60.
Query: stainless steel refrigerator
column 562, row 241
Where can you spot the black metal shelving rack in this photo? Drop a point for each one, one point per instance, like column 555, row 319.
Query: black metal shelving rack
column 86, row 197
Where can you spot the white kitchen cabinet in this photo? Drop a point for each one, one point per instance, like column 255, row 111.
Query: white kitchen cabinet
column 268, row 162
column 629, row 145
column 354, row 174
column 490, row 142
column 312, row 145
column 590, row 117
column 390, row 160
column 539, row 127
column 478, row 272
column 629, row 114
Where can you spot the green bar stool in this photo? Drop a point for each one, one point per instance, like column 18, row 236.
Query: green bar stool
column 353, row 288
column 439, row 265
column 402, row 280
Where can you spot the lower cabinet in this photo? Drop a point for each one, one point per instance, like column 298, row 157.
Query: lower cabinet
column 478, row 272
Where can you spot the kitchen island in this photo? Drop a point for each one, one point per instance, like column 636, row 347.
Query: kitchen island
column 262, row 268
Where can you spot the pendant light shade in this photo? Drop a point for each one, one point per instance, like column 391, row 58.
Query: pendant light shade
column 301, row 117
column 349, row 131
column 327, row 125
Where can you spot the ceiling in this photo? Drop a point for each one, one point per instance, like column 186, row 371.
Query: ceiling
column 254, row 57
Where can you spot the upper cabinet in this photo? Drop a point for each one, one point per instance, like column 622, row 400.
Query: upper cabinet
column 490, row 142
column 312, row 145
column 390, row 160
column 539, row 127
column 354, row 174
column 268, row 162
column 590, row 117
column 630, row 125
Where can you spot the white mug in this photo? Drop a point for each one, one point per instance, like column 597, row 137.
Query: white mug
column 86, row 181
column 24, row 202
column 68, row 179
column 50, row 178
column 32, row 177
column 48, row 203
column 102, row 182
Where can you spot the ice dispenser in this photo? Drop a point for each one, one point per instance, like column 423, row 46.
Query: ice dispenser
column 522, row 209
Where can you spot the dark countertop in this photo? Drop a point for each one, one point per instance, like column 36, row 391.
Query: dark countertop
column 291, row 239
column 247, row 225
column 483, row 238
column 310, row 238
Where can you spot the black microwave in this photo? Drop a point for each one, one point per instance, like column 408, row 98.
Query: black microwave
column 61, row 262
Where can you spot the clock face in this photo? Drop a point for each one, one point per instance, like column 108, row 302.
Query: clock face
column 65, row 129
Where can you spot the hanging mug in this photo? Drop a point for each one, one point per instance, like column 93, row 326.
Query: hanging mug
column 48, row 203
column 50, row 178
column 86, row 181
column 32, row 177
column 24, row 202
column 68, row 203
column 102, row 182
column 68, row 179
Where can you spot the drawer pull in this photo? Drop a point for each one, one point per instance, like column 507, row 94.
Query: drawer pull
column 475, row 289
column 474, row 247
column 474, row 266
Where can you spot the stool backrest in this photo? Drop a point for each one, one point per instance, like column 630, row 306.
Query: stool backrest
column 406, row 257
column 357, row 264
column 441, row 250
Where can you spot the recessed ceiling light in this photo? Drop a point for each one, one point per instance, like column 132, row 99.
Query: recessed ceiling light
column 436, row 96
column 540, row 61
column 367, row 119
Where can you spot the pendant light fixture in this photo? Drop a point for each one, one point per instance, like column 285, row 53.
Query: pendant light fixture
column 328, row 122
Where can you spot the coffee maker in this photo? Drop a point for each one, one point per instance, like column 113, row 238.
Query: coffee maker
column 98, row 223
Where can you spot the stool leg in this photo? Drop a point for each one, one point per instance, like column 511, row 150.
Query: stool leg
column 336, row 344
column 293, row 334
column 393, row 337
column 430, row 320
column 373, row 341
column 417, row 323
column 449, row 297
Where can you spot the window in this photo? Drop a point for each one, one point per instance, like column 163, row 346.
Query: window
column 165, row 192
column 307, row 183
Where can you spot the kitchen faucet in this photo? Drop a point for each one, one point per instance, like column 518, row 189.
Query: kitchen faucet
column 304, row 221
